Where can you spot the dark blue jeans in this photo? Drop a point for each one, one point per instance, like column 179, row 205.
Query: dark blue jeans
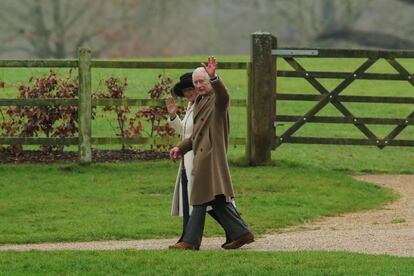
column 186, row 207
column 226, row 215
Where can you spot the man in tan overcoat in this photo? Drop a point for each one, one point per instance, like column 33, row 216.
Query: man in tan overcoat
column 211, row 177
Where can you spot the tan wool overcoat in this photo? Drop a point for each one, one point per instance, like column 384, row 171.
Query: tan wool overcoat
column 209, row 142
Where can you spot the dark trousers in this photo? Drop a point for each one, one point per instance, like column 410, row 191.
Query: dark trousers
column 186, row 207
column 226, row 214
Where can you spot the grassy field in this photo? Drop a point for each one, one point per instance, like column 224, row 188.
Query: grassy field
column 66, row 202
column 132, row 200
column 201, row 263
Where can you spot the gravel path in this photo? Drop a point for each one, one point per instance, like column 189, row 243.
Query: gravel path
column 389, row 230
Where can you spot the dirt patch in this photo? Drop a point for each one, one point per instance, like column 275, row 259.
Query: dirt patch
column 98, row 156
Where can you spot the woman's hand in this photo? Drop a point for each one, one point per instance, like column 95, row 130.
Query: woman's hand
column 171, row 106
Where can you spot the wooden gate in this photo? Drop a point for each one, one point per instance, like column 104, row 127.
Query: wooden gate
column 333, row 96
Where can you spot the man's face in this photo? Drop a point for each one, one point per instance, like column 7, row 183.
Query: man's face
column 190, row 94
column 201, row 85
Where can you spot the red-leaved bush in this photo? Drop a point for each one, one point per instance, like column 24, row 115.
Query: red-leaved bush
column 43, row 121
column 128, row 126
column 62, row 121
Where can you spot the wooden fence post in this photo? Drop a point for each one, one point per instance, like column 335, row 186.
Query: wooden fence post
column 261, row 99
column 85, row 106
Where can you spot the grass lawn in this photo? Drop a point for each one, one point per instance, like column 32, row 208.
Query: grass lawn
column 66, row 202
column 128, row 262
column 132, row 200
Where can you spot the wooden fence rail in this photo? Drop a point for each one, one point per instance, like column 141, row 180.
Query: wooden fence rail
column 126, row 64
column 97, row 102
column 85, row 64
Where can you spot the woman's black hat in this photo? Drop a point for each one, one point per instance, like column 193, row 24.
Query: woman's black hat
column 186, row 81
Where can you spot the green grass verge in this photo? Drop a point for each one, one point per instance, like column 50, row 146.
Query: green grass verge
column 132, row 200
column 128, row 262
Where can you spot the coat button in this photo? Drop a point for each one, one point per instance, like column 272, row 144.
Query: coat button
column 201, row 150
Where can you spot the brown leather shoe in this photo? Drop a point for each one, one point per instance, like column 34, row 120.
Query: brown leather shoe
column 245, row 239
column 184, row 246
column 226, row 243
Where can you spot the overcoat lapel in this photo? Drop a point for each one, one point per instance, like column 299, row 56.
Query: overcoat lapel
column 200, row 102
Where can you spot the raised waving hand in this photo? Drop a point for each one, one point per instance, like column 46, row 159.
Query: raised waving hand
column 211, row 66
